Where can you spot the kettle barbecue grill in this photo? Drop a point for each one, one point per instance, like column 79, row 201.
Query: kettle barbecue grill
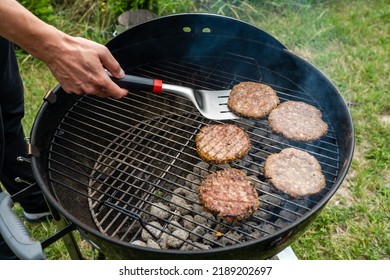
column 125, row 172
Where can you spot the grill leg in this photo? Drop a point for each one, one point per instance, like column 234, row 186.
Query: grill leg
column 287, row 254
column 70, row 242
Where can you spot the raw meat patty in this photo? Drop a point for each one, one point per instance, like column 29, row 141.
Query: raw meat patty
column 294, row 172
column 298, row 121
column 222, row 143
column 229, row 194
column 253, row 100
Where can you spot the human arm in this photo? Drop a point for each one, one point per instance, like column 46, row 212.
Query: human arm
column 77, row 63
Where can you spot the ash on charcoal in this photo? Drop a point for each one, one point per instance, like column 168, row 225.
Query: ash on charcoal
column 153, row 227
column 281, row 223
column 197, row 233
column 159, row 210
column 196, row 246
column 200, row 219
column 180, row 204
column 288, row 215
column 223, row 166
column 192, row 196
column 213, row 168
column 201, row 168
column 255, row 182
column 260, row 155
column 152, row 244
column 277, row 138
column 256, row 234
column 299, row 206
column 261, row 214
column 177, row 238
column 267, row 228
column 245, row 161
column 266, row 188
column 269, row 201
column 188, row 222
column 187, row 193
column 192, row 182
column 230, row 238
column 291, row 206
column 254, row 168
column 139, row 243
column 176, row 216
column 249, row 122
column 208, row 238
column 174, row 225
column 248, row 227
column 162, row 241
column 211, row 221
column 198, row 208
column 259, row 134
column 221, row 228
column 265, row 144
column 270, row 147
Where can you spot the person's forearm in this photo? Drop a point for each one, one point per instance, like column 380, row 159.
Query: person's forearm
column 20, row 26
column 77, row 63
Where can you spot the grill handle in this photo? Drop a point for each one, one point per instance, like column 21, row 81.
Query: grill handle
column 15, row 233
column 131, row 82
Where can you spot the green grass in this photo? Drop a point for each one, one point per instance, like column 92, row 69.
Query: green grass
column 349, row 42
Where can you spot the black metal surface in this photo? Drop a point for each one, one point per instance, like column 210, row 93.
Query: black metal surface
column 103, row 163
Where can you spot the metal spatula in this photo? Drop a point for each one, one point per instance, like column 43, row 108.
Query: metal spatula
column 211, row 104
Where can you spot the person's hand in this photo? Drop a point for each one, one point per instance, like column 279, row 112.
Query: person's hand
column 80, row 67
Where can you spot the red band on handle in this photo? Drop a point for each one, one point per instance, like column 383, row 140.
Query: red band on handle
column 157, row 86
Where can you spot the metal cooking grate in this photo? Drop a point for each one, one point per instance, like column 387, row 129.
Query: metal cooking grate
column 128, row 159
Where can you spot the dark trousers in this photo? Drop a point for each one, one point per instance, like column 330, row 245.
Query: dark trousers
column 12, row 138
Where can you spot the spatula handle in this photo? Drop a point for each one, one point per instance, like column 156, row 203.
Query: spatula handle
column 138, row 83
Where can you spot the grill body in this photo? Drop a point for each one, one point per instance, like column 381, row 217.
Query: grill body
column 104, row 163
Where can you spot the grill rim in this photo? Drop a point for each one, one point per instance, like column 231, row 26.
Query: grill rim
column 348, row 150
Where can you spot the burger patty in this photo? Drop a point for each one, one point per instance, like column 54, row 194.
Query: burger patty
column 298, row 121
column 294, row 172
column 222, row 143
column 229, row 194
column 253, row 100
